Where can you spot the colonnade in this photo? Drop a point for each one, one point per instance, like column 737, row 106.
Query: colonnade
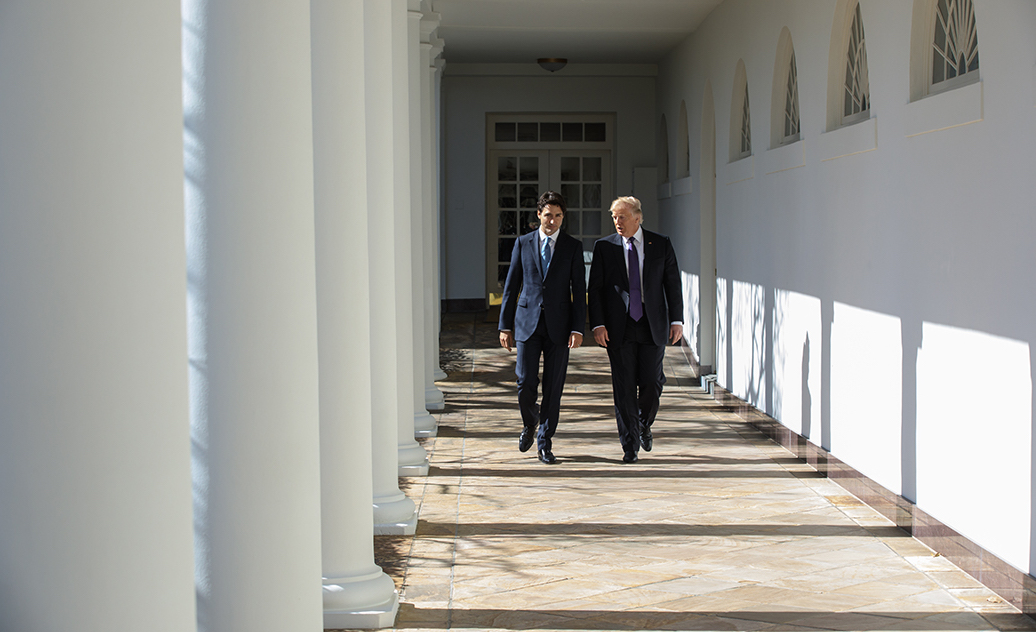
column 218, row 309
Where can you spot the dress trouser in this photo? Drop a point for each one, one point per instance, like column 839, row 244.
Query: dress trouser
column 555, row 366
column 637, row 381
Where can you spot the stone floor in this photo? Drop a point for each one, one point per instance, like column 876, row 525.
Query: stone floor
column 716, row 529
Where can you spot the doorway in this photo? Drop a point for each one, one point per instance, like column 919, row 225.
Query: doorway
column 527, row 154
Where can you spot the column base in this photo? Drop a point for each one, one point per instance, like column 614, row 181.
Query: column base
column 394, row 514
column 413, row 460
column 433, row 399
column 396, row 528
column 363, row 620
column 425, row 425
column 367, row 601
column 413, row 470
column 411, row 454
column 438, row 374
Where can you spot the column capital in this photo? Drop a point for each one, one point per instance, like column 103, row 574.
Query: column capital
column 429, row 24
column 437, row 46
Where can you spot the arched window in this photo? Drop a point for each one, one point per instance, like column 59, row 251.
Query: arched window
column 683, row 147
column 746, row 126
column 663, row 153
column 848, row 79
column 954, row 43
column 740, row 116
column 791, row 104
column 857, row 97
column 785, row 126
column 943, row 46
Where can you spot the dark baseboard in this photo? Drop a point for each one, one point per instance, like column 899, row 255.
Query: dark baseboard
column 463, row 305
column 1011, row 584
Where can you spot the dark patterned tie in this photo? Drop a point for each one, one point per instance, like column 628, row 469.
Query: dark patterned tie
column 636, row 302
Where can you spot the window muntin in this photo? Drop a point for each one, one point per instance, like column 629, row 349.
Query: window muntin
column 791, row 105
column 746, row 127
column 954, row 44
column 856, row 95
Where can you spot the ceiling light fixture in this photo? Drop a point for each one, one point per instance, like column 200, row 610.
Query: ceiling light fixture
column 552, row 64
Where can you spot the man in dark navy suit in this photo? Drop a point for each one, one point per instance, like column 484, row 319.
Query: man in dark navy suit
column 544, row 310
column 636, row 306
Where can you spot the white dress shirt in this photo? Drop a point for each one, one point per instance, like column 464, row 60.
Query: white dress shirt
column 639, row 245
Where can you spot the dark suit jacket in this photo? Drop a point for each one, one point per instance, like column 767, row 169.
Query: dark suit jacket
column 561, row 296
column 609, row 286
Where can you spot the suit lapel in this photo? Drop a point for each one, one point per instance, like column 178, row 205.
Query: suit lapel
column 620, row 255
column 651, row 258
column 534, row 252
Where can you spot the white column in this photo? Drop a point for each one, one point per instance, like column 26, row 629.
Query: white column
column 413, row 460
column 252, row 314
column 424, row 423
column 437, row 231
column 95, row 498
column 357, row 594
column 432, row 395
column 394, row 449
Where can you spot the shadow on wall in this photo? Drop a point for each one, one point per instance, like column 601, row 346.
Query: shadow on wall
column 896, row 400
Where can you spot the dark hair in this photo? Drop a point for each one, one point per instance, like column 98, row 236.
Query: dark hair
column 551, row 197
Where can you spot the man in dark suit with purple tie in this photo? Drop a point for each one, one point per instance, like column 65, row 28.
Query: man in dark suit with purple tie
column 544, row 310
column 636, row 306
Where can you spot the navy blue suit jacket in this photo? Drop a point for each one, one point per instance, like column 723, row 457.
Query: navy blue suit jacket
column 561, row 296
column 609, row 287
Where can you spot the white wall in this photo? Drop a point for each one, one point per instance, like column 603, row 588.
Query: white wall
column 907, row 267
column 468, row 94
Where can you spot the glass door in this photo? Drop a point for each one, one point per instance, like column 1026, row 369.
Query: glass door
column 582, row 178
column 517, row 179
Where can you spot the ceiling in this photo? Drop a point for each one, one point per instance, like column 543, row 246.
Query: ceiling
column 583, row 31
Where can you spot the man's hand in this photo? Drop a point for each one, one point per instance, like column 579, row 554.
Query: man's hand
column 601, row 336
column 506, row 339
column 675, row 333
column 575, row 340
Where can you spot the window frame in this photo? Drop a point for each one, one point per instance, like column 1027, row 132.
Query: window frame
column 745, row 135
column 861, row 70
column 791, row 98
column 785, row 83
column 969, row 76
column 740, row 115
column 922, row 52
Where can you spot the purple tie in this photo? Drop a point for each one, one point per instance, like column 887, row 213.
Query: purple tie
column 636, row 302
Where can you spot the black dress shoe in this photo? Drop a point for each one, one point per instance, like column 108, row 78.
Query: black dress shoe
column 629, row 457
column 645, row 439
column 525, row 440
column 546, row 456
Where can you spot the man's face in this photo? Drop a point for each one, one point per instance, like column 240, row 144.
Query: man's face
column 551, row 217
column 626, row 221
